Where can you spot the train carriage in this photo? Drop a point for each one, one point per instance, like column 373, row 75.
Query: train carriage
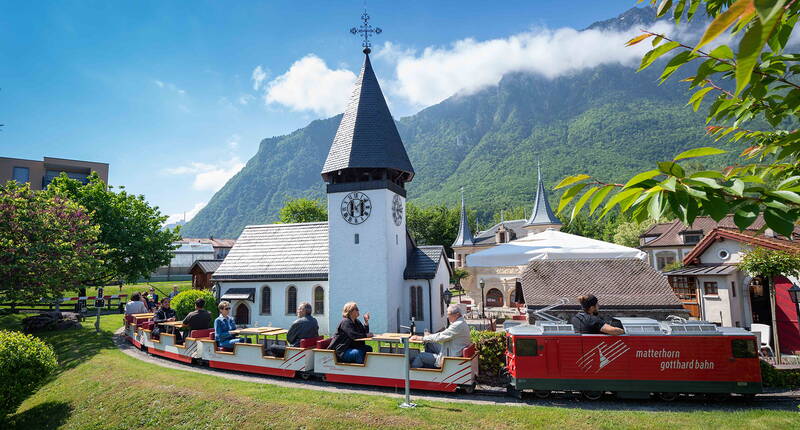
column 252, row 358
column 387, row 369
column 665, row 358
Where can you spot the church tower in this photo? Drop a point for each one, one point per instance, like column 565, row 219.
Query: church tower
column 542, row 216
column 366, row 172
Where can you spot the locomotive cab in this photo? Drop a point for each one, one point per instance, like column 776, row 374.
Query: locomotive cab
column 665, row 358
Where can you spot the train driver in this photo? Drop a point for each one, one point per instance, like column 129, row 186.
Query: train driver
column 587, row 321
column 448, row 342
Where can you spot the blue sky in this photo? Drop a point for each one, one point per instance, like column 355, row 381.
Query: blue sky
column 176, row 95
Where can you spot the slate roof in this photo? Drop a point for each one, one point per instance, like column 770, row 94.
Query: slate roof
column 207, row 266
column 489, row 237
column 464, row 237
column 278, row 251
column 423, row 262
column 367, row 136
column 622, row 283
column 748, row 236
column 669, row 234
column 542, row 213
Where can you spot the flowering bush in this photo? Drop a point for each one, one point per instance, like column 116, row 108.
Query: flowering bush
column 25, row 363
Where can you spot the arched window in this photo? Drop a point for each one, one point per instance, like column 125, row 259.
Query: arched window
column 319, row 300
column 266, row 301
column 291, row 300
column 242, row 314
column 417, row 307
column 518, row 295
column 494, row 298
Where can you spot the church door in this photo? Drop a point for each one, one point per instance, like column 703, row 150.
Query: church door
column 242, row 314
column 494, row 298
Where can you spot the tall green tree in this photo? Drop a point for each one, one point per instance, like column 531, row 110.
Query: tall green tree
column 130, row 229
column 303, row 210
column 48, row 244
column 435, row 225
column 752, row 78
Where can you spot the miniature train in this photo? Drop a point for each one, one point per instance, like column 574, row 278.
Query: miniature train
column 653, row 358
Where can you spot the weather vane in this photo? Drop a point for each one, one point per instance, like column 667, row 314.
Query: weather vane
column 366, row 30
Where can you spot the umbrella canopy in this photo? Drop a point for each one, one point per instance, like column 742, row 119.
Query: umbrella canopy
column 550, row 245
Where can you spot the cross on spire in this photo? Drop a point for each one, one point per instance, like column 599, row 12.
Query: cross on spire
column 366, row 30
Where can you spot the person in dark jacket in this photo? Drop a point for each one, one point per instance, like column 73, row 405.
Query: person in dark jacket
column 345, row 345
column 304, row 327
column 587, row 321
column 199, row 319
column 165, row 314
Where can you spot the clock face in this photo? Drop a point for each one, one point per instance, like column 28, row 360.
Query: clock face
column 397, row 210
column 356, row 207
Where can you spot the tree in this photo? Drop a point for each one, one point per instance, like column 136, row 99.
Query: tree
column 767, row 264
column 627, row 233
column 435, row 225
column 303, row 210
column 757, row 82
column 458, row 275
column 48, row 244
column 130, row 229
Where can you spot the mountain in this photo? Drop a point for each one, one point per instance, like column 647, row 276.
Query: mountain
column 607, row 121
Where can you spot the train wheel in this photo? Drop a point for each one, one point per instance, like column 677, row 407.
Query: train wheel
column 542, row 394
column 667, row 397
column 592, row 395
column 469, row 389
column 304, row 375
column 513, row 392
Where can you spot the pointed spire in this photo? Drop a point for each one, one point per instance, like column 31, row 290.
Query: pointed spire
column 464, row 237
column 542, row 215
column 367, row 137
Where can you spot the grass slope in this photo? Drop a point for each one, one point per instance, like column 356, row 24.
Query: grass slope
column 100, row 387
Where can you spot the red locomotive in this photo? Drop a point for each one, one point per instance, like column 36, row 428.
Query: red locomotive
column 663, row 358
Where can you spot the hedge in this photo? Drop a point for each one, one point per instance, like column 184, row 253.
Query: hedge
column 25, row 364
column 491, row 348
column 183, row 303
column 772, row 377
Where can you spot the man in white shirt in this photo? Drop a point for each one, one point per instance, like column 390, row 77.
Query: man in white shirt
column 135, row 306
column 447, row 343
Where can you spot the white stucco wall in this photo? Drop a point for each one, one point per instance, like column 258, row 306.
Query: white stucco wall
column 280, row 316
column 736, row 251
column 370, row 272
column 434, row 318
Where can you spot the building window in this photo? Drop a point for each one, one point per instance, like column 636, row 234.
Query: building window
column 291, row 300
column 22, row 175
column 685, row 287
column 319, row 300
column 723, row 254
column 664, row 259
column 355, row 239
column 494, row 298
column 518, row 295
column 710, row 288
column 417, row 307
column 266, row 301
column 733, row 288
column 441, row 298
column 458, row 260
column 692, row 238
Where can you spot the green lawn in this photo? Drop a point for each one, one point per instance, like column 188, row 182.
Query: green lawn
column 100, row 387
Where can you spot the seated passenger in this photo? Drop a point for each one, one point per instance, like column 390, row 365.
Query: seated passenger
column 223, row 325
column 587, row 321
column 165, row 314
column 345, row 345
column 304, row 327
column 135, row 306
column 199, row 318
column 446, row 343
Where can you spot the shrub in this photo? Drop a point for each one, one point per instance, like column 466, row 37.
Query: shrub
column 183, row 303
column 491, row 348
column 25, row 363
column 772, row 377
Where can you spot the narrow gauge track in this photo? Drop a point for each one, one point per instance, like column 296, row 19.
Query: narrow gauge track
column 483, row 395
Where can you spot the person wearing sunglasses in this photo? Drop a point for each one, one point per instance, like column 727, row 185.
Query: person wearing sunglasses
column 223, row 326
column 345, row 345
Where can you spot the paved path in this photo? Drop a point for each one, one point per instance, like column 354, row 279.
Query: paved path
column 484, row 395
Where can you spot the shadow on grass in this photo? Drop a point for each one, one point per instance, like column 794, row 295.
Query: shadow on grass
column 48, row 415
column 72, row 347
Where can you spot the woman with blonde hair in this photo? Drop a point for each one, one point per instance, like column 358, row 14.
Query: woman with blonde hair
column 345, row 345
column 223, row 326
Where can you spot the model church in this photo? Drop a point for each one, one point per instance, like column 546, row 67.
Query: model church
column 363, row 253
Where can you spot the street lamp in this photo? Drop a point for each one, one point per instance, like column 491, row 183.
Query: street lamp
column 794, row 294
column 447, row 295
column 483, row 298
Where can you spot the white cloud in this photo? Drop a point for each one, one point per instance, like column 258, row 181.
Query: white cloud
column 169, row 86
column 209, row 177
column 258, row 76
column 309, row 85
column 233, row 141
column 188, row 215
column 469, row 65
column 245, row 99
